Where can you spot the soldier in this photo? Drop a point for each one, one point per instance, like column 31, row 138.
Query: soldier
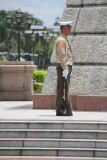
column 64, row 56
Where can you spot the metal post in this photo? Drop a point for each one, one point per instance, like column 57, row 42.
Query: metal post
column 47, row 54
column 19, row 26
column 33, row 50
column 18, row 44
column 44, row 54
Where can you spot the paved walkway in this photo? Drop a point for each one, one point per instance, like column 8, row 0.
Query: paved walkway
column 23, row 110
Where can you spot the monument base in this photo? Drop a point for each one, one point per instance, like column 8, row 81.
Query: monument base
column 91, row 103
column 79, row 102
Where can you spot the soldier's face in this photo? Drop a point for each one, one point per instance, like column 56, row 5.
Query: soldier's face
column 67, row 30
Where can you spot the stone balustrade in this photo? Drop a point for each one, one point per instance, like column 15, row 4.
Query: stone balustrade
column 16, row 80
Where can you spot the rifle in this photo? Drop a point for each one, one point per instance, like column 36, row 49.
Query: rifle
column 67, row 99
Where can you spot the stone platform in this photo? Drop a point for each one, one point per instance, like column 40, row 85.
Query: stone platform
column 79, row 103
column 23, row 111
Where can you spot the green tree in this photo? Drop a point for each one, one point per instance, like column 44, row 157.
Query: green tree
column 8, row 36
column 3, row 25
column 57, row 20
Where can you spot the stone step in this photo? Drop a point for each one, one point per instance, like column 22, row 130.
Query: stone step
column 56, row 134
column 53, row 143
column 53, row 125
column 53, row 138
column 68, row 152
column 48, row 158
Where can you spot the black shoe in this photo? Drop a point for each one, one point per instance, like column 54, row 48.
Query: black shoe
column 61, row 114
column 70, row 114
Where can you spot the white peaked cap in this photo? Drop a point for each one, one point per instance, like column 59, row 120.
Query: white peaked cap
column 65, row 23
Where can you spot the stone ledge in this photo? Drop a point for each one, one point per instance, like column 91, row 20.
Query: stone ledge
column 91, row 103
column 16, row 96
column 41, row 101
column 17, row 63
column 17, row 68
column 79, row 103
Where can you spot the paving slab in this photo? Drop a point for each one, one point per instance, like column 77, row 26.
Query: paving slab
column 47, row 158
column 23, row 111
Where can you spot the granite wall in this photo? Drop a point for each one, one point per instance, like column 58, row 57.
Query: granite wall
column 89, row 42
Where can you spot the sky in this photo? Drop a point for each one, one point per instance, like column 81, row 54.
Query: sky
column 45, row 10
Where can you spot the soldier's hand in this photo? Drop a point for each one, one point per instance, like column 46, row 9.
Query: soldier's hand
column 65, row 73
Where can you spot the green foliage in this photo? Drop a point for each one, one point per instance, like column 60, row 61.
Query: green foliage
column 2, row 59
column 8, row 36
column 5, row 46
column 57, row 20
column 39, row 77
